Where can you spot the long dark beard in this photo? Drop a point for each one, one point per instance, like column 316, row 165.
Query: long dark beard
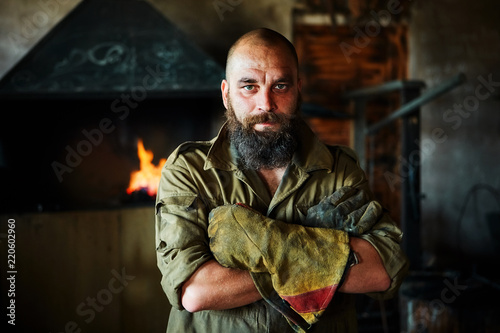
column 266, row 149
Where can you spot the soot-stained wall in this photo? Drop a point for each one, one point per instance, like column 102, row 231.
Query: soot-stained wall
column 460, row 141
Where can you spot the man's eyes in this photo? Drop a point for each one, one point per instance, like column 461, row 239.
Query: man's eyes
column 279, row 86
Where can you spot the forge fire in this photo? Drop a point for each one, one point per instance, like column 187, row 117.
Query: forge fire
column 148, row 177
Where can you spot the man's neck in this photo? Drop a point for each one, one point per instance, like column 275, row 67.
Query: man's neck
column 272, row 178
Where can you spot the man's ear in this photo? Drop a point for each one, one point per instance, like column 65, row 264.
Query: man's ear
column 224, row 87
column 299, row 84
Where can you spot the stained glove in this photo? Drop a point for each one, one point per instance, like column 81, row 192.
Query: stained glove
column 347, row 209
column 306, row 264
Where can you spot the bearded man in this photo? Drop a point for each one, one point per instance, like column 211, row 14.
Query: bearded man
column 264, row 228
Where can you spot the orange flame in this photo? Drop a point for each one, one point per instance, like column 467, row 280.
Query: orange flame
column 148, row 177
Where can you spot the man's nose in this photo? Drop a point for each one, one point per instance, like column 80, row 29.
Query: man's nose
column 265, row 101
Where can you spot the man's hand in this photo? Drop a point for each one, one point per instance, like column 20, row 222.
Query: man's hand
column 347, row 209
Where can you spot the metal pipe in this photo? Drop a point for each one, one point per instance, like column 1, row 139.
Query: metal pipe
column 381, row 89
column 429, row 95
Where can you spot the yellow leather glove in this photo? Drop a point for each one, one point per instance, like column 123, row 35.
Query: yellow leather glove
column 306, row 264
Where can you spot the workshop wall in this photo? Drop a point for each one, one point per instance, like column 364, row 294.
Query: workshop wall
column 460, row 130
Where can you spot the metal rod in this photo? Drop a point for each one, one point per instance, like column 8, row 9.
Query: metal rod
column 417, row 102
column 487, row 281
column 383, row 89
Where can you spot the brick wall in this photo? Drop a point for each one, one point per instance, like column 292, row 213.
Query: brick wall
column 341, row 59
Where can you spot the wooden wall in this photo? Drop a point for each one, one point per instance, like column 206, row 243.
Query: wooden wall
column 87, row 271
column 334, row 60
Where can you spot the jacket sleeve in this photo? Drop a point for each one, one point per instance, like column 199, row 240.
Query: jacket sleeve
column 385, row 236
column 180, row 228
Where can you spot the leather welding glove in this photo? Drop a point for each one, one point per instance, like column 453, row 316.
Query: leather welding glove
column 347, row 209
column 306, row 264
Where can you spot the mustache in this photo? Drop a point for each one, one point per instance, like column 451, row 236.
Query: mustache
column 267, row 117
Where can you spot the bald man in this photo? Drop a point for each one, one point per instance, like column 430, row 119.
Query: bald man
column 266, row 159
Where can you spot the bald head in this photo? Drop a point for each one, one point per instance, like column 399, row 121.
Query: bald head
column 262, row 38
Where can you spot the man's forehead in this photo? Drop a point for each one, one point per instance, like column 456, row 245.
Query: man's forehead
column 256, row 68
column 256, row 71
column 258, row 59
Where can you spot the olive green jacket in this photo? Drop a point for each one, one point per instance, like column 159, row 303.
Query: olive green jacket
column 199, row 176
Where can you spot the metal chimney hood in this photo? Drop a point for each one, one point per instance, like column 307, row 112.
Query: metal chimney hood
column 103, row 48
